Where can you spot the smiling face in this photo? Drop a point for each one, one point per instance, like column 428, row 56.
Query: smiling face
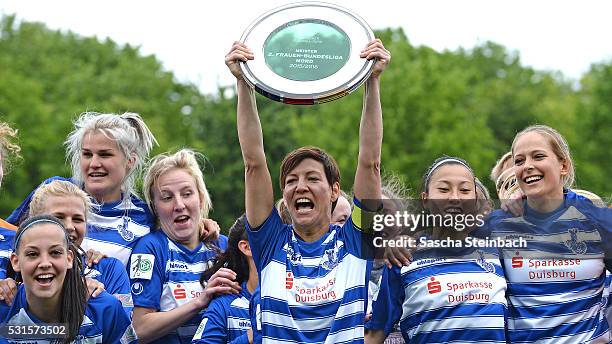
column 71, row 211
column 103, row 166
column 43, row 259
column 539, row 171
column 309, row 196
column 177, row 204
column 451, row 190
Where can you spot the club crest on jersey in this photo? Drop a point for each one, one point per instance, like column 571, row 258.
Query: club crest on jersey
column 330, row 259
column 124, row 230
column 294, row 257
column 578, row 247
column 488, row 266
column 142, row 266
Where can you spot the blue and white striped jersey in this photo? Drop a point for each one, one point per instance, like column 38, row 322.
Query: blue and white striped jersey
column 312, row 292
column 555, row 285
column 6, row 247
column 606, row 298
column 226, row 320
column 165, row 275
column 104, row 320
column 255, row 315
column 457, row 297
column 110, row 272
column 112, row 228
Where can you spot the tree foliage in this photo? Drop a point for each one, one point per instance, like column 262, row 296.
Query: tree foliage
column 467, row 103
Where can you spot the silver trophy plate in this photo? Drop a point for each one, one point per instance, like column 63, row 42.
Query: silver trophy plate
column 307, row 53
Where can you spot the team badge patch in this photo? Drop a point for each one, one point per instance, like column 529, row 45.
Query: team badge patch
column 141, row 266
column 124, row 230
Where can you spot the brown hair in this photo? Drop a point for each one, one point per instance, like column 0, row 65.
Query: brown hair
column 73, row 299
column 294, row 158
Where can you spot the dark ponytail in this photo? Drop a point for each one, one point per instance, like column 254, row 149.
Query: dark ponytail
column 73, row 299
column 232, row 258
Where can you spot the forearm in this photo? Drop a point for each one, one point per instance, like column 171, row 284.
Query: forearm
column 151, row 325
column 249, row 127
column 370, row 142
column 259, row 197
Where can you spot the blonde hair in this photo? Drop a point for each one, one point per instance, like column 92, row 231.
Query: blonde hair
column 59, row 188
column 597, row 201
column 498, row 169
column 128, row 131
column 558, row 145
column 8, row 149
column 184, row 159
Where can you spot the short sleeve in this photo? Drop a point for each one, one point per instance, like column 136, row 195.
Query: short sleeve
column 147, row 272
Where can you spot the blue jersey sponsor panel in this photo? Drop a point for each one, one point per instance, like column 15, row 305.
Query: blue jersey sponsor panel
column 556, row 284
column 104, row 321
column 312, row 292
column 112, row 228
column 165, row 275
column 226, row 320
column 6, row 247
column 458, row 298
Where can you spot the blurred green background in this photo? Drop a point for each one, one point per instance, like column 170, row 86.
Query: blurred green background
column 468, row 103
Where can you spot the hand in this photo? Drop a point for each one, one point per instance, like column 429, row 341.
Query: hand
column 94, row 257
column 376, row 50
column 209, row 230
column 238, row 53
column 8, row 290
column 514, row 204
column 221, row 282
column 398, row 256
column 94, row 287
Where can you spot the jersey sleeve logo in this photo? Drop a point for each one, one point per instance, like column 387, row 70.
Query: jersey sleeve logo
column 142, row 266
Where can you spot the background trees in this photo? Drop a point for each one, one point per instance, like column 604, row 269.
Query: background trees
column 467, row 103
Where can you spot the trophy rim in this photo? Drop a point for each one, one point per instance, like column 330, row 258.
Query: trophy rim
column 322, row 94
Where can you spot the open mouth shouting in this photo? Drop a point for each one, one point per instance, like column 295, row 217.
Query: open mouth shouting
column 304, row 205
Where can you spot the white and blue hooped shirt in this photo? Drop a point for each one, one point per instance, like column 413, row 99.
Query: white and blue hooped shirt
column 312, row 292
column 442, row 297
column 556, row 284
column 165, row 275
column 104, row 321
column 112, row 228
column 226, row 320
